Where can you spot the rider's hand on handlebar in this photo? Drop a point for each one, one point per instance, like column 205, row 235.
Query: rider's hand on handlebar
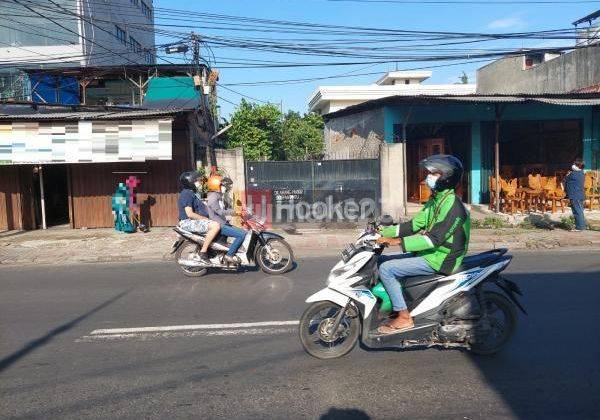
column 388, row 241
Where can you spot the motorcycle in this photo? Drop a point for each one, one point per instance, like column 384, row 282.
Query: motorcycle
column 448, row 311
column 267, row 249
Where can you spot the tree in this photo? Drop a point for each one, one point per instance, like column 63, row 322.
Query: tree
column 265, row 133
column 256, row 128
column 302, row 136
column 464, row 79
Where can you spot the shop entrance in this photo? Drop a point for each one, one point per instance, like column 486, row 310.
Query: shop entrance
column 56, row 195
column 429, row 139
column 544, row 148
column 547, row 148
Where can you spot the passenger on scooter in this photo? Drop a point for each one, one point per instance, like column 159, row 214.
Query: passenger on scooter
column 434, row 241
column 217, row 186
column 193, row 214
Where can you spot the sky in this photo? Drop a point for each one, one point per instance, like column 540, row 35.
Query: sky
column 481, row 18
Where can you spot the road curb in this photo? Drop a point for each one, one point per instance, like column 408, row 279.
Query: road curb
column 302, row 252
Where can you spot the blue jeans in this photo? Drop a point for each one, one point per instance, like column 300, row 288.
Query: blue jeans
column 577, row 209
column 234, row 232
column 396, row 267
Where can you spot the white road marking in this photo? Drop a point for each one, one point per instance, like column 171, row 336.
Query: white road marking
column 189, row 333
column 236, row 329
column 193, row 327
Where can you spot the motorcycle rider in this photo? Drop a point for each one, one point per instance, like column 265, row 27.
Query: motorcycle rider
column 217, row 186
column 193, row 214
column 434, row 241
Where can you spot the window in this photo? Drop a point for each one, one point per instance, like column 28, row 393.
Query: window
column 135, row 2
column 146, row 11
column 121, row 35
column 149, row 57
column 135, row 46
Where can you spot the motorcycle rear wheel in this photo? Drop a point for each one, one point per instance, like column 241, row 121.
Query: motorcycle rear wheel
column 185, row 251
column 496, row 304
column 317, row 340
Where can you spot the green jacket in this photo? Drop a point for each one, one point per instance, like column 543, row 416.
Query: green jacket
column 439, row 232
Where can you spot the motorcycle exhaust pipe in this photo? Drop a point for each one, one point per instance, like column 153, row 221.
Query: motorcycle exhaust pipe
column 190, row 263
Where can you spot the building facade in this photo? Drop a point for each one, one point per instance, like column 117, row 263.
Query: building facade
column 537, row 134
column 327, row 99
column 72, row 33
column 62, row 167
column 540, row 72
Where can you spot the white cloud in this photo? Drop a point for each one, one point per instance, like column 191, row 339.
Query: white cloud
column 506, row 23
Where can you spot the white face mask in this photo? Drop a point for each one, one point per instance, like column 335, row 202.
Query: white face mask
column 198, row 185
column 431, row 180
column 575, row 168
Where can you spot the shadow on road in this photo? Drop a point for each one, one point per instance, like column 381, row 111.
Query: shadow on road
column 550, row 368
column 345, row 414
column 45, row 339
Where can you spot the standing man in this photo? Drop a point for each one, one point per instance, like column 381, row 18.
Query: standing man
column 574, row 187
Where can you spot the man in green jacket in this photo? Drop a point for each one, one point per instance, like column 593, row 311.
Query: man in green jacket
column 434, row 241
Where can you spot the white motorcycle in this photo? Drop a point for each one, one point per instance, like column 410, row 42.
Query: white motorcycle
column 448, row 311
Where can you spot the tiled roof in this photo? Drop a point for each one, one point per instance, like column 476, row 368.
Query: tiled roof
column 565, row 99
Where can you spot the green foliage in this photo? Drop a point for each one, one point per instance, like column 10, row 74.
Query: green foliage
column 257, row 129
column 489, row 222
column 266, row 134
column 302, row 136
column 566, row 222
column 528, row 223
column 464, row 79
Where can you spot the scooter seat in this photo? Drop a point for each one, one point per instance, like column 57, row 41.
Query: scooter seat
column 419, row 280
column 481, row 260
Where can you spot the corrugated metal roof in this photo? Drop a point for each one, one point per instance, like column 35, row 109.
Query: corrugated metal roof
column 95, row 115
column 567, row 99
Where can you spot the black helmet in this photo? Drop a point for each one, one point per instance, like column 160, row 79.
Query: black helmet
column 188, row 178
column 450, row 168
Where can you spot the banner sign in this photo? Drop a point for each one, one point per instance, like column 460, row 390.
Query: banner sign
column 27, row 142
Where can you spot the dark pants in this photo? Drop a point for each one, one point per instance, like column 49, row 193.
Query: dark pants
column 577, row 208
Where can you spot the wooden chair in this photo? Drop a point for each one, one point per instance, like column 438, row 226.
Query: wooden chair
column 512, row 198
column 551, row 196
column 532, row 192
column 591, row 193
column 561, row 197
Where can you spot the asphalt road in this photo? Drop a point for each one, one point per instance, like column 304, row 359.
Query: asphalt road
column 53, row 365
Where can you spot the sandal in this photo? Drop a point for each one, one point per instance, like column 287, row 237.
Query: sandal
column 390, row 329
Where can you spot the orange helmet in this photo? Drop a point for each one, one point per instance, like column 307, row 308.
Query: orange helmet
column 214, row 183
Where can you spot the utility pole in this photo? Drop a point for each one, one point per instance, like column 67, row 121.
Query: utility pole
column 196, row 50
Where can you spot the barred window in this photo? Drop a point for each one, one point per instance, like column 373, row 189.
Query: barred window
column 135, row 46
column 121, row 35
column 146, row 11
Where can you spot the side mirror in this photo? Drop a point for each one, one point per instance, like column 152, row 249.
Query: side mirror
column 386, row 220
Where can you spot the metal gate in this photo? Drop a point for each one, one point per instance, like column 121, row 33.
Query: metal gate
column 314, row 191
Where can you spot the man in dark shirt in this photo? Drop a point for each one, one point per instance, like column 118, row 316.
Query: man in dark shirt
column 193, row 214
column 574, row 187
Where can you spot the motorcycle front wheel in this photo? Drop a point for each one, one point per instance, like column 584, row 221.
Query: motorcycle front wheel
column 276, row 257
column 185, row 252
column 315, row 331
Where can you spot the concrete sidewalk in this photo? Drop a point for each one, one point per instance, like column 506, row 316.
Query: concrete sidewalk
column 68, row 246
